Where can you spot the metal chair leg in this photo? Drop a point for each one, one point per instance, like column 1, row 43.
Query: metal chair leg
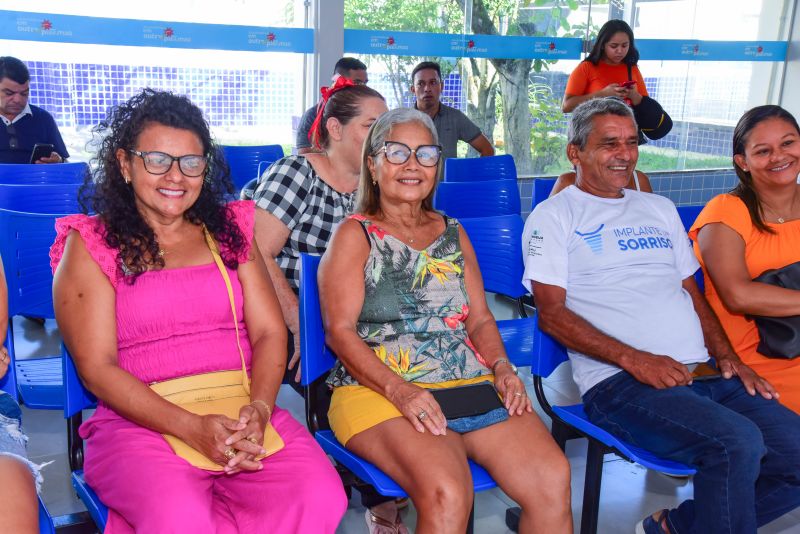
column 591, row 487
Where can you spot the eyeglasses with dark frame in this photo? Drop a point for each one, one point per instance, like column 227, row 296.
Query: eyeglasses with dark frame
column 13, row 141
column 398, row 153
column 191, row 165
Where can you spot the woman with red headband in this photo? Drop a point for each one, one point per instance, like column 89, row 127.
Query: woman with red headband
column 302, row 198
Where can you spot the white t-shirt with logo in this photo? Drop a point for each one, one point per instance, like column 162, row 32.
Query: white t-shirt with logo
column 622, row 262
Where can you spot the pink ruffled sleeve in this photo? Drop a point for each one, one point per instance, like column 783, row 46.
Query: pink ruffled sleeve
column 91, row 231
column 244, row 213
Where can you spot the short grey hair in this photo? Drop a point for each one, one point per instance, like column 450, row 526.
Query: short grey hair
column 368, row 197
column 580, row 125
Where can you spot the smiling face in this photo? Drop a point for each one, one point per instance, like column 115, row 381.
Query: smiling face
column 771, row 153
column 165, row 197
column 609, row 158
column 407, row 182
column 616, row 48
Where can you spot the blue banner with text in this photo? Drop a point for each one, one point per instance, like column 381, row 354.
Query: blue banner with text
column 18, row 25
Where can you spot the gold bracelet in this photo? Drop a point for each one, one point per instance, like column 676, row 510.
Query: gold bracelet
column 266, row 406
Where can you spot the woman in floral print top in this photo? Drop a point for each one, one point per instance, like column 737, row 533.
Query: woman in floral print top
column 402, row 303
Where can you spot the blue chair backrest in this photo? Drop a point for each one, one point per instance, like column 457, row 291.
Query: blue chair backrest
column 498, row 245
column 61, row 173
column 76, row 396
column 40, row 198
column 688, row 214
column 316, row 359
column 541, row 190
column 480, row 169
column 244, row 161
column 478, row 199
column 548, row 353
column 25, row 240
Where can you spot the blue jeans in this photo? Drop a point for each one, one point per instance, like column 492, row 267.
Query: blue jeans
column 746, row 449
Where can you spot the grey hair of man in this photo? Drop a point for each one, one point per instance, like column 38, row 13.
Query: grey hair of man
column 582, row 121
column 368, row 199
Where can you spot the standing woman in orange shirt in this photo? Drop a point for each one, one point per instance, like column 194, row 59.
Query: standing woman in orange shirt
column 609, row 70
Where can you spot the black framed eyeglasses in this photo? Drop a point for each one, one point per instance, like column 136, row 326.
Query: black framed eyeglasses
column 13, row 141
column 191, row 165
column 398, row 153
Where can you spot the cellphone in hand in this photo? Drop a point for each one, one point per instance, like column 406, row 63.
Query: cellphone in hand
column 628, row 84
column 704, row 371
column 41, row 150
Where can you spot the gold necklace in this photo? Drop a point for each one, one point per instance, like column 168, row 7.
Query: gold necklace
column 780, row 220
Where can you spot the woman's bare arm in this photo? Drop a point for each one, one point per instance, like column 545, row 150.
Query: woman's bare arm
column 723, row 255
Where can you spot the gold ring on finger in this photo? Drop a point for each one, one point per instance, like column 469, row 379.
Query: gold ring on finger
column 229, row 453
column 252, row 440
column 422, row 415
column 517, row 394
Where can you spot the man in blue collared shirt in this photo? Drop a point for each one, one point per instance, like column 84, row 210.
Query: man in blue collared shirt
column 24, row 125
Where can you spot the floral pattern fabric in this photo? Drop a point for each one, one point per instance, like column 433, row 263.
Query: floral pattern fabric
column 415, row 306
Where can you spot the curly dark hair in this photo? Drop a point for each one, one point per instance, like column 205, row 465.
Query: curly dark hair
column 106, row 193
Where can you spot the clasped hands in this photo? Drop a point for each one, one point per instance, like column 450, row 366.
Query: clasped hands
column 218, row 435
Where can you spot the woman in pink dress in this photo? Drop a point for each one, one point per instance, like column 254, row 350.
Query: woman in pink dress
column 139, row 300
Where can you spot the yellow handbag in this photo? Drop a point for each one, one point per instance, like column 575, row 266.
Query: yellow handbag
column 220, row 392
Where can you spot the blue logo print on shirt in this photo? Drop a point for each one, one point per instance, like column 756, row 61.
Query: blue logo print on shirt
column 593, row 239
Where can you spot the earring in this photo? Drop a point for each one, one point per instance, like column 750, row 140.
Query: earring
column 127, row 180
column 374, row 183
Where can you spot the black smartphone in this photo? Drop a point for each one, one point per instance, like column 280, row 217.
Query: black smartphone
column 41, row 150
column 466, row 401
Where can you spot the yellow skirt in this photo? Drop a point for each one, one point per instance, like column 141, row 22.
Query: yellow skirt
column 354, row 409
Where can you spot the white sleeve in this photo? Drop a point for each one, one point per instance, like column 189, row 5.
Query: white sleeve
column 544, row 247
column 685, row 260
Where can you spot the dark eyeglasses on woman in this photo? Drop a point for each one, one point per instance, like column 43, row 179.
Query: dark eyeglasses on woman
column 191, row 165
column 398, row 153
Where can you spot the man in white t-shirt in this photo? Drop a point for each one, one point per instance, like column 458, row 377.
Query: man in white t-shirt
column 611, row 271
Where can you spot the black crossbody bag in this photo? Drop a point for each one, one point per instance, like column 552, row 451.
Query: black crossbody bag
column 779, row 337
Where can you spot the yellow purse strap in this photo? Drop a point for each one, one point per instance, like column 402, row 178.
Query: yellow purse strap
column 212, row 245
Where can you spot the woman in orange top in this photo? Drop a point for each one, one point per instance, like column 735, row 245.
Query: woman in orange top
column 754, row 228
column 605, row 71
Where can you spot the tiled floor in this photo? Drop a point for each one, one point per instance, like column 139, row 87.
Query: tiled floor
column 629, row 492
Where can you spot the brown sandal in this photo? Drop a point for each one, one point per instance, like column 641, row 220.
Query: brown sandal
column 374, row 521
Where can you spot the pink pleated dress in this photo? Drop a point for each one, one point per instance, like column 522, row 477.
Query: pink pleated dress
column 178, row 322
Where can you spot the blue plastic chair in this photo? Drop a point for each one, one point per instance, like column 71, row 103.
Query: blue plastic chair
column 76, row 399
column 316, row 361
column 25, row 240
column 40, row 198
column 245, row 162
column 9, row 384
column 478, row 199
column 570, row 422
column 480, row 169
column 498, row 246
column 62, row 173
column 541, row 190
column 688, row 215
